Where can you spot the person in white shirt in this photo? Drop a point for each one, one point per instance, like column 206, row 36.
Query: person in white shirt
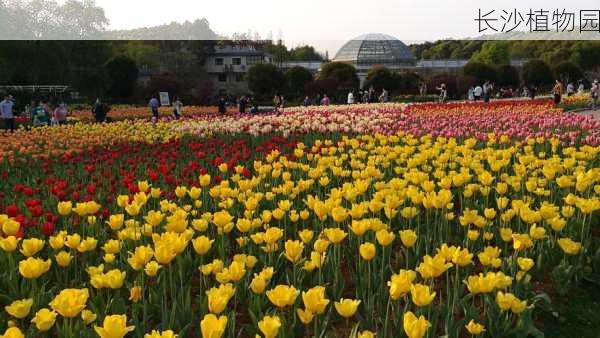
column 570, row 89
column 477, row 92
column 595, row 93
column 351, row 98
column 6, row 112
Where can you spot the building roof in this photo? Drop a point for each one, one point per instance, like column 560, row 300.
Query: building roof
column 375, row 48
column 235, row 50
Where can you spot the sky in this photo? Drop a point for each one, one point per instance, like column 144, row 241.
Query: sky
column 327, row 24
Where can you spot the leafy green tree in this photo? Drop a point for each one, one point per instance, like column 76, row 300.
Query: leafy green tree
column 480, row 71
column 536, row 72
column 344, row 73
column 265, row 80
column 379, row 77
column 297, row 78
column 122, row 72
column 492, row 53
column 407, row 82
column 508, row 76
column 586, row 54
column 304, row 53
column 567, row 71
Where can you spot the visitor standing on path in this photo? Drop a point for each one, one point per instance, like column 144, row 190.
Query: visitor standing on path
column 487, row 91
column 40, row 116
column 6, row 112
column 570, row 89
column 443, row 92
column 221, row 103
column 557, row 91
column 154, row 108
column 60, row 114
column 595, row 92
column 325, row 100
column 177, row 108
column 477, row 93
column 350, row 98
column 242, row 104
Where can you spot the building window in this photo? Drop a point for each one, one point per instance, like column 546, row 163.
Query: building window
column 252, row 60
column 218, row 61
column 239, row 77
column 222, row 77
column 236, row 61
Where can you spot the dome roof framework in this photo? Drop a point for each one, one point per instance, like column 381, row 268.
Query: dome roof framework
column 372, row 49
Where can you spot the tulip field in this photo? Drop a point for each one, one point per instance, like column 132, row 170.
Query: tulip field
column 383, row 220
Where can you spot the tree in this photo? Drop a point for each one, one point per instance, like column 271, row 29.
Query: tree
column 265, row 80
column 492, row 53
column 480, row 71
column 304, row 53
column 122, row 72
column 297, row 78
column 407, row 82
column 379, row 77
column 567, row 72
column 344, row 73
column 536, row 72
column 587, row 55
column 508, row 76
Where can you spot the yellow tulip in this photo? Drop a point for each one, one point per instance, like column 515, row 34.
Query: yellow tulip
column 219, row 297
column 315, row 300
column 9, row 244
column 151, row 268
column 408, row 238
column 282, row 295
column 367, row 251
column 306, row 235
column 69, row 302
column 474, row 328
column 347, row 307
column 116, row 221
column 335, row 235
column 366, row 334
column 293, row 250
column 44, row 319
column 64, row 208
column 114, row 326
column 19, row 308
column 212, row 326
column 31, row 246
column 569, row 246
column 305, row 316
column 384, row 237
column 401, row 283
column 525, row 263
column 269, row 326
column 163, row 334
column 32, row 268
column 258, row 284
column 13, row 332
column 415, row 327
column 202, row 245
column 88, row 317
column 63, row 258
column 421, row 295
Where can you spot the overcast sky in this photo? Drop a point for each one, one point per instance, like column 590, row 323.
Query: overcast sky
column 327, row 23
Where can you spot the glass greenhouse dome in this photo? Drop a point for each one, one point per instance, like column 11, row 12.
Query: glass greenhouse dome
column 375, row 48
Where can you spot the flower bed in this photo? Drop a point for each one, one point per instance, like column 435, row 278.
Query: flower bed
column 358, row 222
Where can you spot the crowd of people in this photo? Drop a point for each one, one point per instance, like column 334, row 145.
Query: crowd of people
column 38, row 112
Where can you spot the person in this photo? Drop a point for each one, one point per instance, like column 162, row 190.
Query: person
column 470, row 94
column 177, row 108
column 242, row 104
column 525, row 92
column 281, row 103
column 221, row 103
column 570, row 89
column 443, row 92
column 557, row 91
column 60, row 114
column 371, row 95
column 306, row 101
column 6, row 113
column 365, row 98
column 581, row 87
column 477, row 92
column 40, row 115
column 423, row 88
column 384, row 96
column 351, row 98
column 276, row 101
column 154, row 108
column 99, row 110
column 253, row 106
column 595, row 92
column 487, row 91
column 532, row 92
column 325, row 100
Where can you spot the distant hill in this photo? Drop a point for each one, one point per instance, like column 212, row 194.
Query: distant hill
column 197, row 30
